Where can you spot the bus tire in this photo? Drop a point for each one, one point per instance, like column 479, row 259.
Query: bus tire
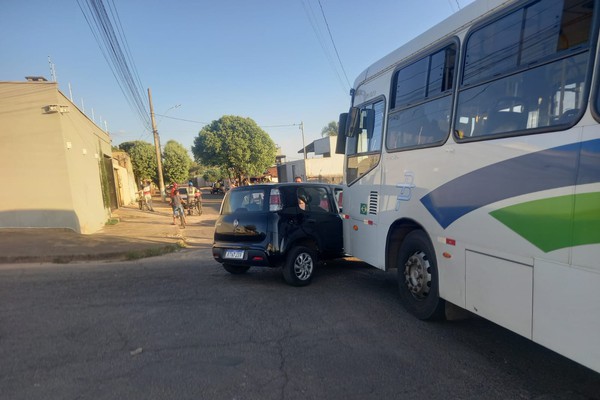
column 418, row 279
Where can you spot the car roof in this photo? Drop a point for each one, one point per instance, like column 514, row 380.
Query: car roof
column 286, row 184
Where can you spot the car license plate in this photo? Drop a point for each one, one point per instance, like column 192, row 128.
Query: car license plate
column 234, row 254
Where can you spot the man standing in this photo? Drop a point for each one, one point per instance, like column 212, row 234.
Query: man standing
column 177, row 205
column 147, row 193
column 191, row 197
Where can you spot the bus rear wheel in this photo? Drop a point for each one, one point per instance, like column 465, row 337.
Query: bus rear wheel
column 418, row 279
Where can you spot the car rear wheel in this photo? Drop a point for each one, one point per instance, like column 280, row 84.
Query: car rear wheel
column 299, row 266
column 236, row 269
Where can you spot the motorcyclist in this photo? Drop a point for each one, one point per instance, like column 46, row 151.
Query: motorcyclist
column 191, row 190
column 191, row 197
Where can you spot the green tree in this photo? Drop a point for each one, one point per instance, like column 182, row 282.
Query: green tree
column 213, row 174
column 330, row 130
column 176, row 162
column 196, row 169
column 236, row 144
column 143, row 159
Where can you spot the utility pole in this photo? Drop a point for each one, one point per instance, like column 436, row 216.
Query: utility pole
column 303, row 149
column 161, row 181
column 303, row 146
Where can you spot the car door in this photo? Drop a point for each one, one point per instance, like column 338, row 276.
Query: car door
column 318, row 217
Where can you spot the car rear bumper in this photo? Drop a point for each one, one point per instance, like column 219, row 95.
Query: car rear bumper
column 252, row 256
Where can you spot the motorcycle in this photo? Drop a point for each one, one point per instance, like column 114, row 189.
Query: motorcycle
column 217, row 190
column 194, row 205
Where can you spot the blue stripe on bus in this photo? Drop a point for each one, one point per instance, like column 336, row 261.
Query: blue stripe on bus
column 533, row 172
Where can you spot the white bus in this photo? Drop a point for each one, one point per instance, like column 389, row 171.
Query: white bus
column 472, row 165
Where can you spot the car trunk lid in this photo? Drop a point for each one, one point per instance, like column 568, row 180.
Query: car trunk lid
column 244, row 215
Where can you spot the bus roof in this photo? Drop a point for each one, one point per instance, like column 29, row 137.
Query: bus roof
column 447, row 28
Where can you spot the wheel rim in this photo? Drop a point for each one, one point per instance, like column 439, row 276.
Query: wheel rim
column 417, row 275
column 303, row 266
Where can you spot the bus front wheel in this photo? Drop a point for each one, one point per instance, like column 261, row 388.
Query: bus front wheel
column 418, row 279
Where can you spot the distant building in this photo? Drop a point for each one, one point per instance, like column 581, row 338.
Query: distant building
column 56, row 164
column 325, row 166
column 126, row 184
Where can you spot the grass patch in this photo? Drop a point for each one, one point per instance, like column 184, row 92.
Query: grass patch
column 112, row 221
column 153, row 252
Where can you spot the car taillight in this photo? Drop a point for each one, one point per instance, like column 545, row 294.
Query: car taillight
column 341, row 200
column 275, row 200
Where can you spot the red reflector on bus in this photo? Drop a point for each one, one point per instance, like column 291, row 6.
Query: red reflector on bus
column 451, row 242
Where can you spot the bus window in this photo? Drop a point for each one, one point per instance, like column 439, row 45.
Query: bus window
column 536, row 82
column 422, row 101
column 364, row 149
column 424, row 124
column 375, row 139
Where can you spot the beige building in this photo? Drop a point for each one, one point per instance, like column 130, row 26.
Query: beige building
column 56, row 165
column 127, row 188
column 323, row 166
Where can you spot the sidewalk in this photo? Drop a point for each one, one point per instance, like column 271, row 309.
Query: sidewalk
column 137, row 234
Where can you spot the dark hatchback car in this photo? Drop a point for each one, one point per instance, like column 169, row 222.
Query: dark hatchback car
column 289, row 225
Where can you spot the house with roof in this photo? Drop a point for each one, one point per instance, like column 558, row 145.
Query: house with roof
column 56, row 163
column 323, row 165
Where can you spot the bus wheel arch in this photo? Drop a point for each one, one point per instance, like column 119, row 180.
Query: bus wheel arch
column 418, row 277
column 396, row 235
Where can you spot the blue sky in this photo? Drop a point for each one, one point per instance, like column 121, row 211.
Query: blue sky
column 268, row 60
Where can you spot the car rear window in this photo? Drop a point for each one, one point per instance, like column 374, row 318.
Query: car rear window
column 246, row 200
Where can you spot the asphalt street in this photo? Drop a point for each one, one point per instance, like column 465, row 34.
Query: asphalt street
column 180, row 327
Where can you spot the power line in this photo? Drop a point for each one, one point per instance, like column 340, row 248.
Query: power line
column 181, row 119
column 97, row 18
column 312, row 19
column 207, row 123
column 333, row 43
column 124, row 39
column 278, row 126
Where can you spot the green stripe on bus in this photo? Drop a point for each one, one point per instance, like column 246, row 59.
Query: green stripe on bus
column 547, row 223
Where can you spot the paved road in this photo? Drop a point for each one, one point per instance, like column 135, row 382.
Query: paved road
column 179, row 327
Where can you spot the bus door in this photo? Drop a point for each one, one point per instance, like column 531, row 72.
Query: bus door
column 363, row 177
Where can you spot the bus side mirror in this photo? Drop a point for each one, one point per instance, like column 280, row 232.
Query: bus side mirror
column 342, row 124
column 340, row 144
column 358, row 120
column 353, row 122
